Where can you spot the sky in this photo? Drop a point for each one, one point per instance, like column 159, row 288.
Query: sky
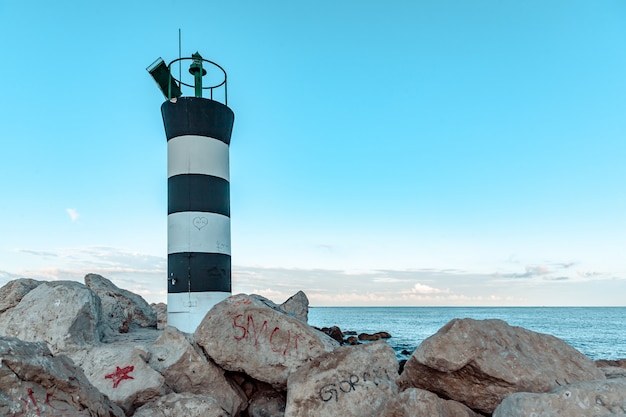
column 414, row 153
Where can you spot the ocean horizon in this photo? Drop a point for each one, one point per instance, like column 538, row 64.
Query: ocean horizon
column 597, row 332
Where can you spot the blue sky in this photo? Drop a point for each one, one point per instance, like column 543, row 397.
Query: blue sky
column 399, row 153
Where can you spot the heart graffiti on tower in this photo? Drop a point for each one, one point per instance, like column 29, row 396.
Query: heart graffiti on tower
column 200, row 222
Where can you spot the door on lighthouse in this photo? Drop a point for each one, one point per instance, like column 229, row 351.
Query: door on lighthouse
column 198, row 272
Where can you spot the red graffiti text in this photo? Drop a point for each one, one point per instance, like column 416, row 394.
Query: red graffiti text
column 280, row 341
column 31, row 405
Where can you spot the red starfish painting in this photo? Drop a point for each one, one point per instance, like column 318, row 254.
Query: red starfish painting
column 120, row 374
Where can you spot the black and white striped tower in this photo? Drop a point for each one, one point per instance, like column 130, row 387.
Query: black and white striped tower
column 198, row 132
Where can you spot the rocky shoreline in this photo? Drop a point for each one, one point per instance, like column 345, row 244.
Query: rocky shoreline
column 73, row 349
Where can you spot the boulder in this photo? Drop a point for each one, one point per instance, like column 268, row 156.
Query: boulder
column 186, row 369
column 122, row 373
column 415, row 402
column 352, row 340
column 267, row 403
column 479, row 362
column 161, row 311
column 63, row 314
column 182, row 405
column 297, row 306
column 350, row 381
column 251, row 334
column 375, row 336
column 601, row 398
column 13, row 292
column 334, row 332
column 33, row 382
column 121, row 309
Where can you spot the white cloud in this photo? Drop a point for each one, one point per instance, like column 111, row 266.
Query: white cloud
column 531, row 272
column 388, row 280
column 427, row 289
column 588, row 274
column 72, row 213
column 38, row 252
column 537, row 270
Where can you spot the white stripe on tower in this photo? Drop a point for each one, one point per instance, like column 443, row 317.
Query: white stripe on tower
column 192, row 154
column 196, row 231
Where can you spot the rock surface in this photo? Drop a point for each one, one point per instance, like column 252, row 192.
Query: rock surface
column 614, row 372
column 121, row 372
column 374, row 336
column 186, row 369
column 121, row 309
column 161, row 311
column 619, row 363
column 297, row 306
column 352, row 340
column 585, row 399
column 13, row 292
column 479, row 362
column 350, row 381
column 267, row 403
column 182, row 405
column 334, row 332
column 252, row 335
column 419, row 403
column 35, row 383
column 63, row 314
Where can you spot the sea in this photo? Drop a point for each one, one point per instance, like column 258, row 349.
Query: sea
column 598, row 332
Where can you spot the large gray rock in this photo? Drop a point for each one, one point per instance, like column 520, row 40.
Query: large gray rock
column 13, row 292
column 121, row 309
column 586, row 399
column 182, row 405
column 252, row 335
column 63, row 314
column 350, row 381
column 186, row 369
column 35, row 383
column 479, row 362
column 297, row 306
column 121, row 372
column 415, row 402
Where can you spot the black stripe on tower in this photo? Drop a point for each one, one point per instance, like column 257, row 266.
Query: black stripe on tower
column 197, row 192
column 197, row 116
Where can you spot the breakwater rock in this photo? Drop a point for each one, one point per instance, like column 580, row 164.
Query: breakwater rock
column 68, row 349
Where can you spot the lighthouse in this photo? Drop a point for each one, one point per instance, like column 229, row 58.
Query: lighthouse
column 198, row 131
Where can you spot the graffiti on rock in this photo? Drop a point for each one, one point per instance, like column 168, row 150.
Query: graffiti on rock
column 330, row 391
column 31, row 407
column 120, row 374
column 280, row 341
column 336, row 389
column 237, row 300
